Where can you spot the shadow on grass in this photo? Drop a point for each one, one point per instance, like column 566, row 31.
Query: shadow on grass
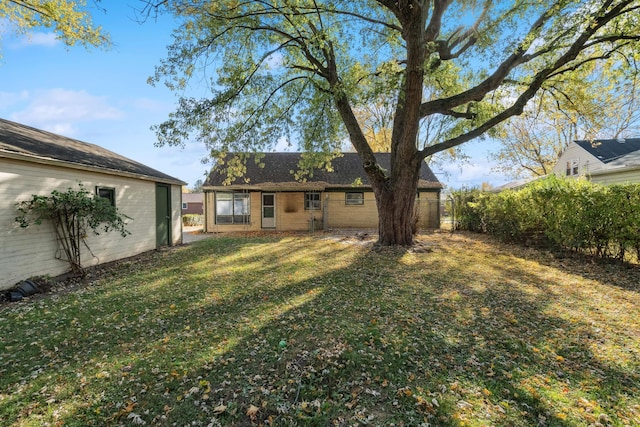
column 302, row 331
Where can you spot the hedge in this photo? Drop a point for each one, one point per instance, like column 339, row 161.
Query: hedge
column 569, row 214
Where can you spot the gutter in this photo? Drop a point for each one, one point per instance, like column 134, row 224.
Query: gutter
column 88, row 168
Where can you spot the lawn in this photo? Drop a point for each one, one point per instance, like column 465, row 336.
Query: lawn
column 306, row 330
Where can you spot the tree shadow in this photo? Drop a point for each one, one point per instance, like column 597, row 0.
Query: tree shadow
column 338, row 337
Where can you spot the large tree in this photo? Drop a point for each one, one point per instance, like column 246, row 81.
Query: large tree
column 299, row 69
column 70, row 20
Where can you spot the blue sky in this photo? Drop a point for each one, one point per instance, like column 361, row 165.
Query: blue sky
column 102, row 96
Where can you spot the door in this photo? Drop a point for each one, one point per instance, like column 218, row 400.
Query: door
column 268, row 210
column 163, row 215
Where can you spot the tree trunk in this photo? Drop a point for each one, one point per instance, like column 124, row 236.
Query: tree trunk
column 396, row 207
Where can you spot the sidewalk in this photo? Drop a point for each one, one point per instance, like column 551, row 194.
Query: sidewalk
column 193, row 234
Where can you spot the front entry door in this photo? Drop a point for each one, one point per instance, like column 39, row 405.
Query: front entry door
column 268, row 210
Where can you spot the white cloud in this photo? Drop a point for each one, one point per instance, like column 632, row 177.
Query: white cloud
column 57, row 109
column 17, row 39
column 38, row 39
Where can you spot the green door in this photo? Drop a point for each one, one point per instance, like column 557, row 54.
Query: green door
column 163, row 215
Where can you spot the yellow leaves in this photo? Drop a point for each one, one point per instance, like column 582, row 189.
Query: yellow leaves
column 218, row 410
column 351, row 404
column 70, row 20
column 252, row 412
column 103, row 374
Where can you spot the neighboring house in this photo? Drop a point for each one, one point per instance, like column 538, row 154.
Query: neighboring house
column 192, row 203
column 516, row 185
column 603, row 161
column 33, row 161
column 269, row 197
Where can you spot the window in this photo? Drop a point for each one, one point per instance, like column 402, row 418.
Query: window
column 107, row 193
column 354, row 198
column 184, row 206
column 232, row 208
column 312, row 201
column 573, row 167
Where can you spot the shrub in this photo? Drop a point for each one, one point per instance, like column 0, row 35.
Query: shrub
column 566, row 213
column 191, row 220
column 72, row 214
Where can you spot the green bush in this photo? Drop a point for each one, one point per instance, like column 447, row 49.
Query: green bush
column 568, row 214
column 72, row 214
column 191, row 220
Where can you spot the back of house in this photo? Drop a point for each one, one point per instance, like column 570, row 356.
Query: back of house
column 268, row 196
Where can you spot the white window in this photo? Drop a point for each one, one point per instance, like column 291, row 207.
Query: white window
column 573, row 167
column 312, row 201
column 184, row 206
column 232, row 208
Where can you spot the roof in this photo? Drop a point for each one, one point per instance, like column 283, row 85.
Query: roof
column 278, row 167
column 608, row 150
column 514, row 185
column 27, row 143
column 192, row 197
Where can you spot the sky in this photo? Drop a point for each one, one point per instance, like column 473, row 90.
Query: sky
column 102, row 96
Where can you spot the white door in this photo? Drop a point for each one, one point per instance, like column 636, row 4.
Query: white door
column 268, row 210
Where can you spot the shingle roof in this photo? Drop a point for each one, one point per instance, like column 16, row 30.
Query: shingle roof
column 42, row 145
column 608, row 150
column 276, row 172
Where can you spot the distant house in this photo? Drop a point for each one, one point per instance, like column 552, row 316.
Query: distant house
column 33, row 161
column 271, row 198
column 603, row 161
column 192, row 203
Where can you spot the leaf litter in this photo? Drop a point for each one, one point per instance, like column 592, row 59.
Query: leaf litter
column 294, row 329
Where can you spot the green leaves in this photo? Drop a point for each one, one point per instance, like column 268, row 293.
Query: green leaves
column 69, row 19
column 472, row 332
column 568, row 214
column 73, row 214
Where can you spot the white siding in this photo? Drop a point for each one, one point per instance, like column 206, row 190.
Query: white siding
column 30, row 252
column 587, row 162
column 622, row 176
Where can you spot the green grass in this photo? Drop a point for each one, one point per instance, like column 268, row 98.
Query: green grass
column 308, row 330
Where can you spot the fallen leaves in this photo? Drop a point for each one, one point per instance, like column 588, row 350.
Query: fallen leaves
column 304, row 330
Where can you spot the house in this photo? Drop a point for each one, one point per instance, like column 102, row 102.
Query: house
column 516, row 185
column 603, row 161
column 192, row 203
column 33, row 161
column 269, row 197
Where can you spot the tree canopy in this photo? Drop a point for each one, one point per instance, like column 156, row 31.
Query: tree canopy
column 452, row 70
column 590, row 103
column 70, row 20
